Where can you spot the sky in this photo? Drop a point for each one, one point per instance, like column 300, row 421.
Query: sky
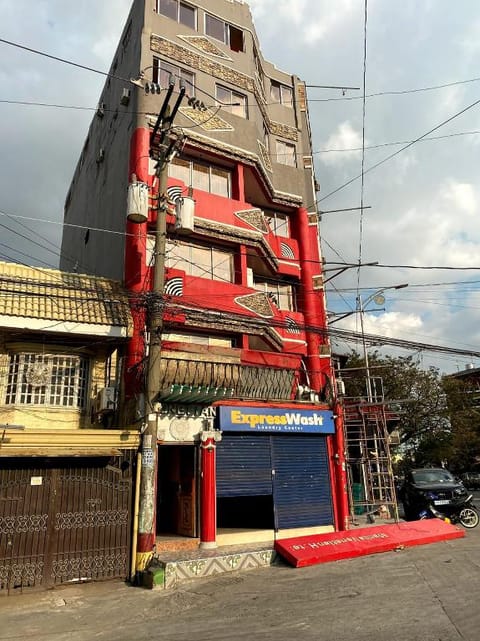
column 420, row 207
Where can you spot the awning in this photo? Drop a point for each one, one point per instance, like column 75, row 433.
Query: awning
column 60, row 442
column 57, row 452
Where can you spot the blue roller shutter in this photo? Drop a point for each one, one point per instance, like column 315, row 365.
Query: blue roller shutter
column 244, row 465
column 301, row 486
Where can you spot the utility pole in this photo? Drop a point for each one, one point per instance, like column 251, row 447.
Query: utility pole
column 163, row 145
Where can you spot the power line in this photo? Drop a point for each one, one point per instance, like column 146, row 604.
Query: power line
column 399, row 151
column 394, row 92
column 64, row 60
column 399, row 142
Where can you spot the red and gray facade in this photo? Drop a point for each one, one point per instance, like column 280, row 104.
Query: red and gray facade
column 249, row 431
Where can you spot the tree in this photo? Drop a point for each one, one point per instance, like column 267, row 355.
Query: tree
column 417, row 396
column 464, row 413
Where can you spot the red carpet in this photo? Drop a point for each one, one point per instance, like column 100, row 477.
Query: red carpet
column 334, row 546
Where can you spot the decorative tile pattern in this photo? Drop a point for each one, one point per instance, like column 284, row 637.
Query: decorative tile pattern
column 177, row 572
column 287, row 251
column 198, row 61
column 292, row 326
column 207, row 120
column 254, row 218
column 205, row 45
column 257, row 303
column 265, row 156
column 174, row 286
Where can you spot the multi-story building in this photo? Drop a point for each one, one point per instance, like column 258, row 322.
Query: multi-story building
column 225, row 255
column 67, row 466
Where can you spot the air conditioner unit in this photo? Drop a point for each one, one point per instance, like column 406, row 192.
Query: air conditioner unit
column 106, row 400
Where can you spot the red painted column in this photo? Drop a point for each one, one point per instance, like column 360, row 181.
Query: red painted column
column 319, row 367
column 341, row 470
column 208, row 494
column 313, row 303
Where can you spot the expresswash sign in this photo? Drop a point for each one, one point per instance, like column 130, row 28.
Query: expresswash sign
column 247, row 419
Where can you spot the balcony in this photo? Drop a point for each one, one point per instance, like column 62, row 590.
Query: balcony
column 188, row 378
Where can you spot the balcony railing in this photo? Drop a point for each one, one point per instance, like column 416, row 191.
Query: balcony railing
column 200, row 381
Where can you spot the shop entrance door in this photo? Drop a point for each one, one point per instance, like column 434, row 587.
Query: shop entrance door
column 177, row 490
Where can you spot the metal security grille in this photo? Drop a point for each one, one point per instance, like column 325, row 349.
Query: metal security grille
column 244, row 466
column 292, row 467
column 301, row 489
column 62, row 522
column 47, row 379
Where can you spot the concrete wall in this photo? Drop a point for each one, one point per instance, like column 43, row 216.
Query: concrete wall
column 97, row 198
column 97, row 195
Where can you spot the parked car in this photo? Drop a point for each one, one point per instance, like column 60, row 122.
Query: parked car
column 421, row 483
column 471, row 480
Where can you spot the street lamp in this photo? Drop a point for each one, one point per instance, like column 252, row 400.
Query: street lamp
column 379, row 299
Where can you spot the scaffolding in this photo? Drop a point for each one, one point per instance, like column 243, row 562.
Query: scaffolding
column 371, row 481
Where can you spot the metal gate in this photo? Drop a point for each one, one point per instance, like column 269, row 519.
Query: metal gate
column 64, row 520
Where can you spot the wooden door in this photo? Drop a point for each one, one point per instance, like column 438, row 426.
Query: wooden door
column 186, row 498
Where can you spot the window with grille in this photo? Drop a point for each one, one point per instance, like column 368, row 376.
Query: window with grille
column 47, row 379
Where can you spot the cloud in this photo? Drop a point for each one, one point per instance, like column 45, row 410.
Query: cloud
column 461, row 196
column 344, row 137
column 392, row 323
column 315, row 21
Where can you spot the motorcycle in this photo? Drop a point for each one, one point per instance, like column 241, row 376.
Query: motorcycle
column 458, row 510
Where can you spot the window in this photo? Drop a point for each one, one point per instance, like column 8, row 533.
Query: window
column 282, row 294
column 47, row 379
column 211, row 178
column 163, row 71
column 235, row 103
column 281, row 94
column 279, row 223
column 226, row 33
column 286, row 154
column 200, row 261
column 178, row 11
